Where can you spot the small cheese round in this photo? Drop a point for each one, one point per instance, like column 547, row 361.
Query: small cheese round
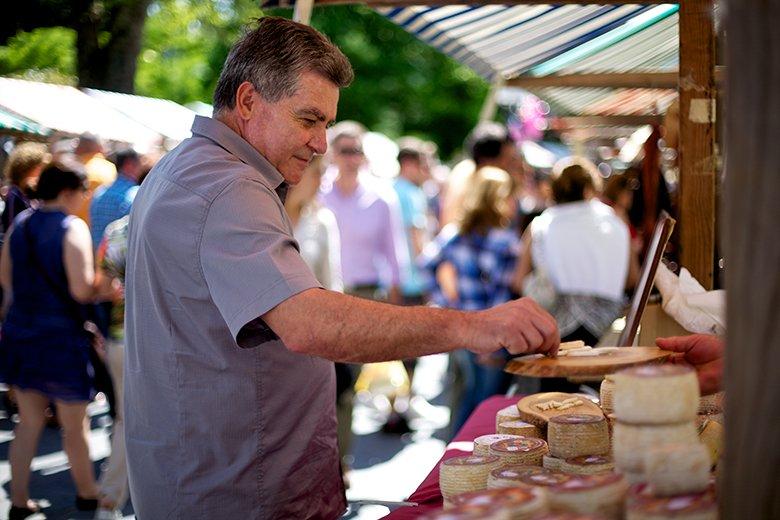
column 630, row 441
column 508, row 414
column 656, row 394
column 588, row 464
column 676, row 469
column 643, row 505
column 520, row 428
column 483, row 442
column 520, row 502
column 572, row 435
column 463, row 474
column 509, row 476
column 606, row 394
column 522, row 450
column 602, row 494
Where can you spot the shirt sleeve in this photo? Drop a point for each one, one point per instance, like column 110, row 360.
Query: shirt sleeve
column 250, row 260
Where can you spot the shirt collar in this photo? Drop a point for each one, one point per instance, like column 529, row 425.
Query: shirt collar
column 225, row 137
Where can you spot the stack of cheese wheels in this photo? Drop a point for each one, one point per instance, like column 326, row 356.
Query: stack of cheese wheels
column 520, row 428
column 463, row 474
column 509, row 476
column 573, row 435
column 588, row 464
column 508, row 414
column 483, row 442
column 672, row 469
column 656, row 405
column 606, row 392
column 644, row 505
column 521, row 503
column 484, row 512
column 521, row 450
column 602, row 494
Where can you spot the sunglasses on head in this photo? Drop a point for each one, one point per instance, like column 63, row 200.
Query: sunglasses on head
column 350, row 151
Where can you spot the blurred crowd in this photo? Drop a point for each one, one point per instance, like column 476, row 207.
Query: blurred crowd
column 373, row 218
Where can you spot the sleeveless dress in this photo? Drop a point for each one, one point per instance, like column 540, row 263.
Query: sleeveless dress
column 43, row 345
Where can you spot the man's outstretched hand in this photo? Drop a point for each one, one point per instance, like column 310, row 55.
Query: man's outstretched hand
column 703, row 352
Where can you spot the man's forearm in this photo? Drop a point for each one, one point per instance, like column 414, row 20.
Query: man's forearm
column 344, row 328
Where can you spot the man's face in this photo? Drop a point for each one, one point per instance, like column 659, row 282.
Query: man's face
column 348, row 155
column 290, row 131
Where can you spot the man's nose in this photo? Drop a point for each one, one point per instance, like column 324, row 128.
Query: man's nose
column 319, row 141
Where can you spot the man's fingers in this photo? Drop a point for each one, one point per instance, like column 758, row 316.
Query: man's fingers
column 675, row 343
column 519, row 345
column 533, row 337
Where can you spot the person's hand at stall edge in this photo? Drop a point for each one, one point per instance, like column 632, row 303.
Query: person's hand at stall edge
column 703, row 352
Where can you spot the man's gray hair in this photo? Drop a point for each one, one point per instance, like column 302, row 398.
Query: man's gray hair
column 272, row 55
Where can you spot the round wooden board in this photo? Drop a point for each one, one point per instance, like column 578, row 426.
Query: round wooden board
column 570, row 366
column 531, row 414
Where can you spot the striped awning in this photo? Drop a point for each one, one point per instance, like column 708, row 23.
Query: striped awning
column 15, row 124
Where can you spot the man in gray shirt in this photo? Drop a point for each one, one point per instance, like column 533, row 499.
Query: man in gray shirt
column 230, row 387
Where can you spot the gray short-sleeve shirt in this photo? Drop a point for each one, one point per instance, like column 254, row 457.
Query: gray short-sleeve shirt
column 222, row 420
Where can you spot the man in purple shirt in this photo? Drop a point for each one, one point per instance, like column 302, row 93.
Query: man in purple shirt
column 229, row 378
column 367, row 223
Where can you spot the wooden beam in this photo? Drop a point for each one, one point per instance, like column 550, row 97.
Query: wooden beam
column 697, row 139
column 750, row 480
column 582, row 121
column 437, row 3
column 666, row 80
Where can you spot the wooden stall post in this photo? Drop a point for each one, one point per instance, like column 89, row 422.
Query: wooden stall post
column 697, row 139
column 751, row 484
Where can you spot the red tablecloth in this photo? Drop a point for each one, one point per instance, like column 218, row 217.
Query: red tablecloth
column 481, row 422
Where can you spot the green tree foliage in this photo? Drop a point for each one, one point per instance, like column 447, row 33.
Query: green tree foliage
column 44, row 54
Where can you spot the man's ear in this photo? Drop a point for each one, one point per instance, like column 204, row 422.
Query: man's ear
column 246, row 101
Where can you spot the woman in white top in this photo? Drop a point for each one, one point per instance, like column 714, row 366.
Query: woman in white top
column 582, row 247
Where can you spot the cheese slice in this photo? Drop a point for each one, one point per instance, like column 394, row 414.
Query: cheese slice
column 463, row 474
column 572, row 435
column 676, row 469
column 630, row 441
column 656, row 394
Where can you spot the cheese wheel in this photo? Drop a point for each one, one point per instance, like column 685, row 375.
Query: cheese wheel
column 676, row 469
column 606, row 395
column 482, row 443
column 711, row 435
column 544, row 480
column 550, row 462
column 508, row 414
column 643, row 505
column 521, row 503
column 463, row 474
column 509, row 476
column 602, row 494
column 486, row 512
column 522, row 450
column 656, row 394
column 588, row 464
column 631, row 441
column 572, row 435
column 520, row 428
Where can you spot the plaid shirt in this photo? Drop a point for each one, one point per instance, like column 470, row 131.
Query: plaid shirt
column 112, row 258
column 485, row 265
column 110, row 204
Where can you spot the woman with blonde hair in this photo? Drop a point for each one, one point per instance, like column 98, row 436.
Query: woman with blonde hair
column 22, row 170
column 469, row 266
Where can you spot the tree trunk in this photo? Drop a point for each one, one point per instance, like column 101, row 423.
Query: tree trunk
column 751, row 484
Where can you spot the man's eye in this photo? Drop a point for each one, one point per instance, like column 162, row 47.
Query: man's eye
column 309, row 122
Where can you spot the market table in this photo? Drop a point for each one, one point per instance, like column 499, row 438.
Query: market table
column 481, row 422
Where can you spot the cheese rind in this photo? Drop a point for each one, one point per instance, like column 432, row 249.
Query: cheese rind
column 522, row 450
column 463, row 474
column 520, row 428
column 631, row 442
column 676, row 469
column 483, row 442
column 510, row 476
column 588, row 464
column 573, row 435
column 553, row 463
column 656, row 394
column 508, row 414
column 606, row 395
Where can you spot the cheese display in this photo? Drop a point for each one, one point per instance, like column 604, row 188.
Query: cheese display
column 550, row 462
column 656, row 394
column 520, row 503
column 675, row 469
column 463, row 474
column 509, row 476
column 603, row 494
column 711, row 435
column 606, row 393
column 482, row 443
column 508, row 414
column 519, row 428
column 572, row 435
column 643, row 505
column 522, row 450
column 632, row 441
column 588, row 464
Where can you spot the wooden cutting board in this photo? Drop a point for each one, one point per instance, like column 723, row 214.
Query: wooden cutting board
column 530, row 413
column 570, row 366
